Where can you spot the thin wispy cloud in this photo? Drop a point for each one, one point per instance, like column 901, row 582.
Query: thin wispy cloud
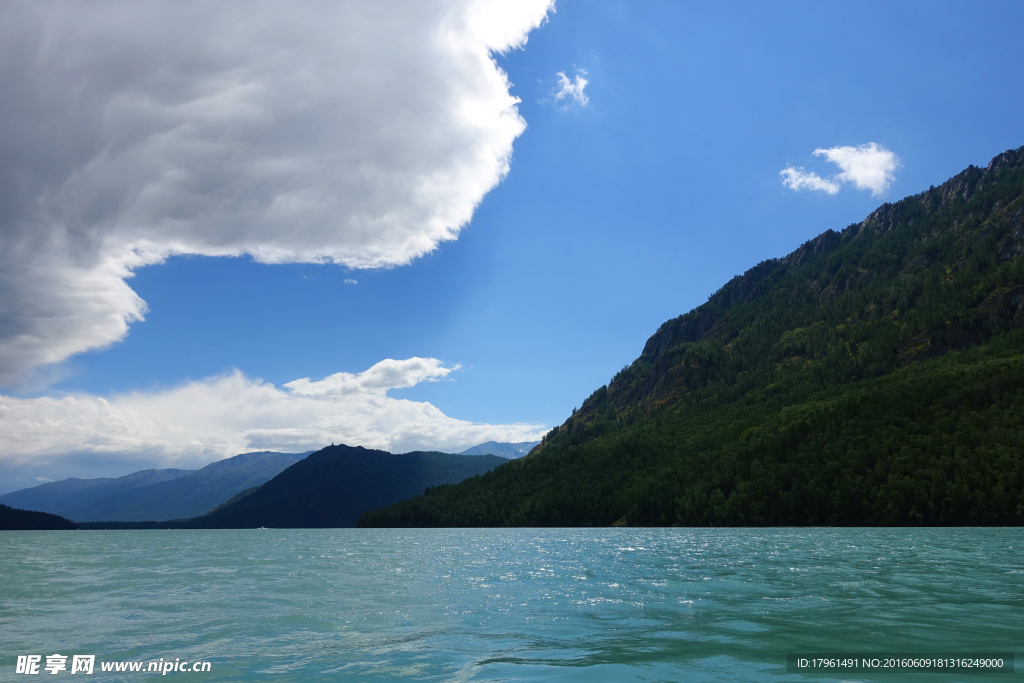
column 800, row 179
column 867, row 167
column 350, row 133
column 217, row 417
column 570, row 91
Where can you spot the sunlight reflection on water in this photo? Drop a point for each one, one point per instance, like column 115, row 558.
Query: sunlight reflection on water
column 507, row 604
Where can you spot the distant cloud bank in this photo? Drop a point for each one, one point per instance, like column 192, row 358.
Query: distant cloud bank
column 867, row 167
column 203, row 421
column 356, row 133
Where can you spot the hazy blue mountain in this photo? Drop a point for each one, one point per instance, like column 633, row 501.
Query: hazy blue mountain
column 504, row 450
column 58, row 497
column 192, row 495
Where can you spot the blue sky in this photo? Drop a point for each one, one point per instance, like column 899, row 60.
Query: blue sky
column 614, row 215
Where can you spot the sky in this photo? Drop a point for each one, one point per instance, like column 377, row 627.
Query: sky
column 424, row 225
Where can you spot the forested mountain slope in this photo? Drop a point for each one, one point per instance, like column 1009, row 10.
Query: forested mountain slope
column 333, row 486
column 14, row 519
column 873, row 376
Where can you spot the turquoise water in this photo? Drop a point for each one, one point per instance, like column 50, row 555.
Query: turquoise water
column 509, row 605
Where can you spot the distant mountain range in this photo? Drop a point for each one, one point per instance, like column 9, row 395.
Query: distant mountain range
column 505, row 450
column 331, row 488
column 341, row 486
column 60, row 497
column 153, row 494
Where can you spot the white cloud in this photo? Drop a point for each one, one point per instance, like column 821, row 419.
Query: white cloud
column 354, row 133
column 868, row 167
column 799, row 179
column 572, row 90
column 193, row 424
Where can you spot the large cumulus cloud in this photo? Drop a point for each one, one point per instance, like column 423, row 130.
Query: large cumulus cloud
column 358, row 133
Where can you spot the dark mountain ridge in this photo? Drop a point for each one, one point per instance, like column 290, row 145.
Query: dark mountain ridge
column 13, row 519
column 329, row 489
column 872, row 376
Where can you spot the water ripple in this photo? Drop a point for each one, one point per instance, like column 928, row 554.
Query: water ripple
column 503, row 605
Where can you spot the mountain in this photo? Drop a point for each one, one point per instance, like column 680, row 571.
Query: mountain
column 60, row 497
column 505, row 450
column 331, row 488
column 12, row 519
column 874, row 376
column 154, row 494
column 191, row 495
column 234, row 499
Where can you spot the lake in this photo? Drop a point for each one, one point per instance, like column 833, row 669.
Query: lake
column 509, row 604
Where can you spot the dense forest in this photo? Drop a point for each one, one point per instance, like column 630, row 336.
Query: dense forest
column 13, row 519
column 872, row 377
